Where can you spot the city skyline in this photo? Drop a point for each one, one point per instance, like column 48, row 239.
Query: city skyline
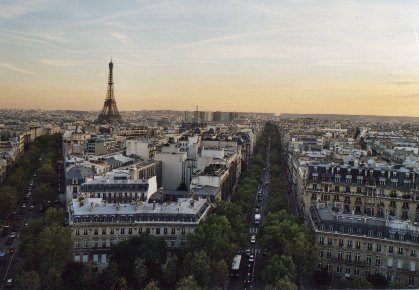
column 280, row 57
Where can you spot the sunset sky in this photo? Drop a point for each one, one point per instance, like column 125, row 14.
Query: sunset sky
column 341, row 57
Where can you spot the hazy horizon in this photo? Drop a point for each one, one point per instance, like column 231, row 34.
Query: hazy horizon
column 325, row 57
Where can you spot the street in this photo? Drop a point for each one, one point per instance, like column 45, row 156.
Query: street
column 253, row 251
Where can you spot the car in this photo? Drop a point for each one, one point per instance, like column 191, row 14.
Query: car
column 9, row 282
column 251, row 258
column 12, row 235
column 32, row 207
column 247, row 252
column 247, row 278
column 11, row 251
column 26, row 225
column 253, row 239
column 256, row 210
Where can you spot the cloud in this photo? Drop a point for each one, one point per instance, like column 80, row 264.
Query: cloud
column 12, row 67
column 121, row 37
column 14, row 9
column 63, row 62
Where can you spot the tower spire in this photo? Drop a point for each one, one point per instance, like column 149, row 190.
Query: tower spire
column 109, row 112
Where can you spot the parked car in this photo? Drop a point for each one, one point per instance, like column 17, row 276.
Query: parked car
column 11, row 251
column 12, row 235
column 251, row 258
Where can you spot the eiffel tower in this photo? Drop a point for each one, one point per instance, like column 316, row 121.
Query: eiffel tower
column 109, row 112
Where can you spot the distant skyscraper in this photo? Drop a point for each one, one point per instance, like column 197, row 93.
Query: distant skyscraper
column 109, row 112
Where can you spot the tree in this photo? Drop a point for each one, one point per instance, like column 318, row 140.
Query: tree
column 278, row 268
column 378, row 281
column 213, row 236
column 397, row 285
column 197, row 264
column 8, row 200
column 172, row 275
column 53, row 278
column 109, row 278
column 152, row 285
column 44, row 191
column 285, row 283
column 122, row 284
column 220, row 273
column 55, row 247
column 322, row 278
column 149, row 248
column 28, row 280
column 188, row 283
column 140, row 271
column 73, row 275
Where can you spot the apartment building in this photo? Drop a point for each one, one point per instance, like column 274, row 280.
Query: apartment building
column 96, row 225
column 353, row 246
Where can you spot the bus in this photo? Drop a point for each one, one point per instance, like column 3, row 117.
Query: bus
column 235, row 266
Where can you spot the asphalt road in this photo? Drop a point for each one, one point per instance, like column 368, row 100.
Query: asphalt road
column 255, row 249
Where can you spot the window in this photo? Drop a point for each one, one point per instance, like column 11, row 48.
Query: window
column 377, row 260
column 77, row 232
column 341, row 242
column 321, row 253
column 412, row 266
column 350, row 243
column 76, row 244
column 348, row 270
column 390, row 249
column 319, row 266
column 367, row 272
column 85, row 232
column 96, row 232
column 122, row 231
column 147, row 230
column 157, row 231
column 369, row 246
column 390, row 262
column 173, row 231
column 413, row 253
column 400, row 251
column 356, row 271
column 349, row 256
column 378, row 247
column 165, row 231
column 358, row 244
column 338, row 268
column 340, row 255
column 399, row 263
column 329, row 254
column 130, row 231
column 329, row 241
column 369, row 259
column 328, row 267
column 183, row 231
column 103, row 231
column 411, row 281
column 357, row 257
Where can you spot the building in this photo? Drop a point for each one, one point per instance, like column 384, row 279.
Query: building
column 117, row 188
column 139, row 148
column 96, row 225
column 353, row 246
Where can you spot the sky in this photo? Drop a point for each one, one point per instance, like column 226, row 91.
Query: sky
column 338, row 57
